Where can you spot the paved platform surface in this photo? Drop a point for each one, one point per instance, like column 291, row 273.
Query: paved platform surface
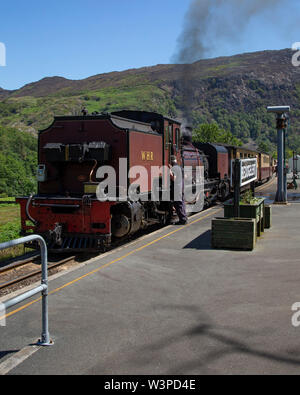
column 169, row 304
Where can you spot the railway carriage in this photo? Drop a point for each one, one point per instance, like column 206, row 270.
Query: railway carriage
column 264, row 161
column 264, row 167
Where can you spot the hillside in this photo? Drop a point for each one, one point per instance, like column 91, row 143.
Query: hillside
column 214, row 89
column 231, row 91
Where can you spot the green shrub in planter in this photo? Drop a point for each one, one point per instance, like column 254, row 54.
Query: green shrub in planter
column 253, row 208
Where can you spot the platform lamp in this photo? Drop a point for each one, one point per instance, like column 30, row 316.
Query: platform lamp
column 281, row 125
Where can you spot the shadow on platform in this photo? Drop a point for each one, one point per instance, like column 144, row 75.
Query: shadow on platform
column 202, row 242
column 211, row 343
column 4, row 353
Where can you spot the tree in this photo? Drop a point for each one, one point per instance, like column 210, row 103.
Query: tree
column 18, row 162
column 212, row 133
column 264, row 146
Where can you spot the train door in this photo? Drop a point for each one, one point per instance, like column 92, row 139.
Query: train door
column 167, row 143
column 177, row 143
column 172, row 141
column 260, row 164
column 167, row 150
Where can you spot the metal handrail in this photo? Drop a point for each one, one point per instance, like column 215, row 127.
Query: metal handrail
column 43, row 288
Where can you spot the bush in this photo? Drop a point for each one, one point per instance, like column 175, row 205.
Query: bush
column 18, row 162
column 206, row 133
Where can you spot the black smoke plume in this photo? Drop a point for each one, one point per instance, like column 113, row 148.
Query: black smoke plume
column 209, row 24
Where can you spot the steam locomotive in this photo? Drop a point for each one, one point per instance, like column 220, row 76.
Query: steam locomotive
column 66, row 210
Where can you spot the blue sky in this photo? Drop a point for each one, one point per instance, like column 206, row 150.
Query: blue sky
column 77, row 39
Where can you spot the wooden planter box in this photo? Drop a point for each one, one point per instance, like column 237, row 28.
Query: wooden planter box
column 233, row 233
column 255, row 211
column 268, row 217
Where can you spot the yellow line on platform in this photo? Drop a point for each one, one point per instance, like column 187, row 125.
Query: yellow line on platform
column 110, row 263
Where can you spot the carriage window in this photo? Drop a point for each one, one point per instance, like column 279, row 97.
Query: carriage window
column 171, row 134
column 177, row 131
column 167, row 138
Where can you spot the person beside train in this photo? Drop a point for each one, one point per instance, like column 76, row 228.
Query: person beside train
column 177, row 185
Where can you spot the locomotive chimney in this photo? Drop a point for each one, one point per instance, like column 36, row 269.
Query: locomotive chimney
column 187, row 133
column 84, row 111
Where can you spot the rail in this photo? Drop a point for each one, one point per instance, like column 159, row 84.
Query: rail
column 43, row 288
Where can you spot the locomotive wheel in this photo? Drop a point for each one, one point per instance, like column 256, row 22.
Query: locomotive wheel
column 120, row 225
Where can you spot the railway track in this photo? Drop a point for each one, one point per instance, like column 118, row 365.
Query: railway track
column 18, row 263
column 14, row 275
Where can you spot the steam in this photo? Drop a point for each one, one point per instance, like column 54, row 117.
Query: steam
column 210, row 23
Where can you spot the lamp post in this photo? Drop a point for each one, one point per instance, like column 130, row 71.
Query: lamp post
column 281, row 125
column 295, row 164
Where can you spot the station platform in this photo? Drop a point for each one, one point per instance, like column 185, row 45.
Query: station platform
column 169, row 304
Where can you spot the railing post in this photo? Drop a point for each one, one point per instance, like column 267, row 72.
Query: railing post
column 43, row 288
column 45, row 339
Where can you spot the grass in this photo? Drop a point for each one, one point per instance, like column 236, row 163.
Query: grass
column 146, row 96
column 223, row 67
column 9, row 229
column 7, row 199
column 9, row 213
